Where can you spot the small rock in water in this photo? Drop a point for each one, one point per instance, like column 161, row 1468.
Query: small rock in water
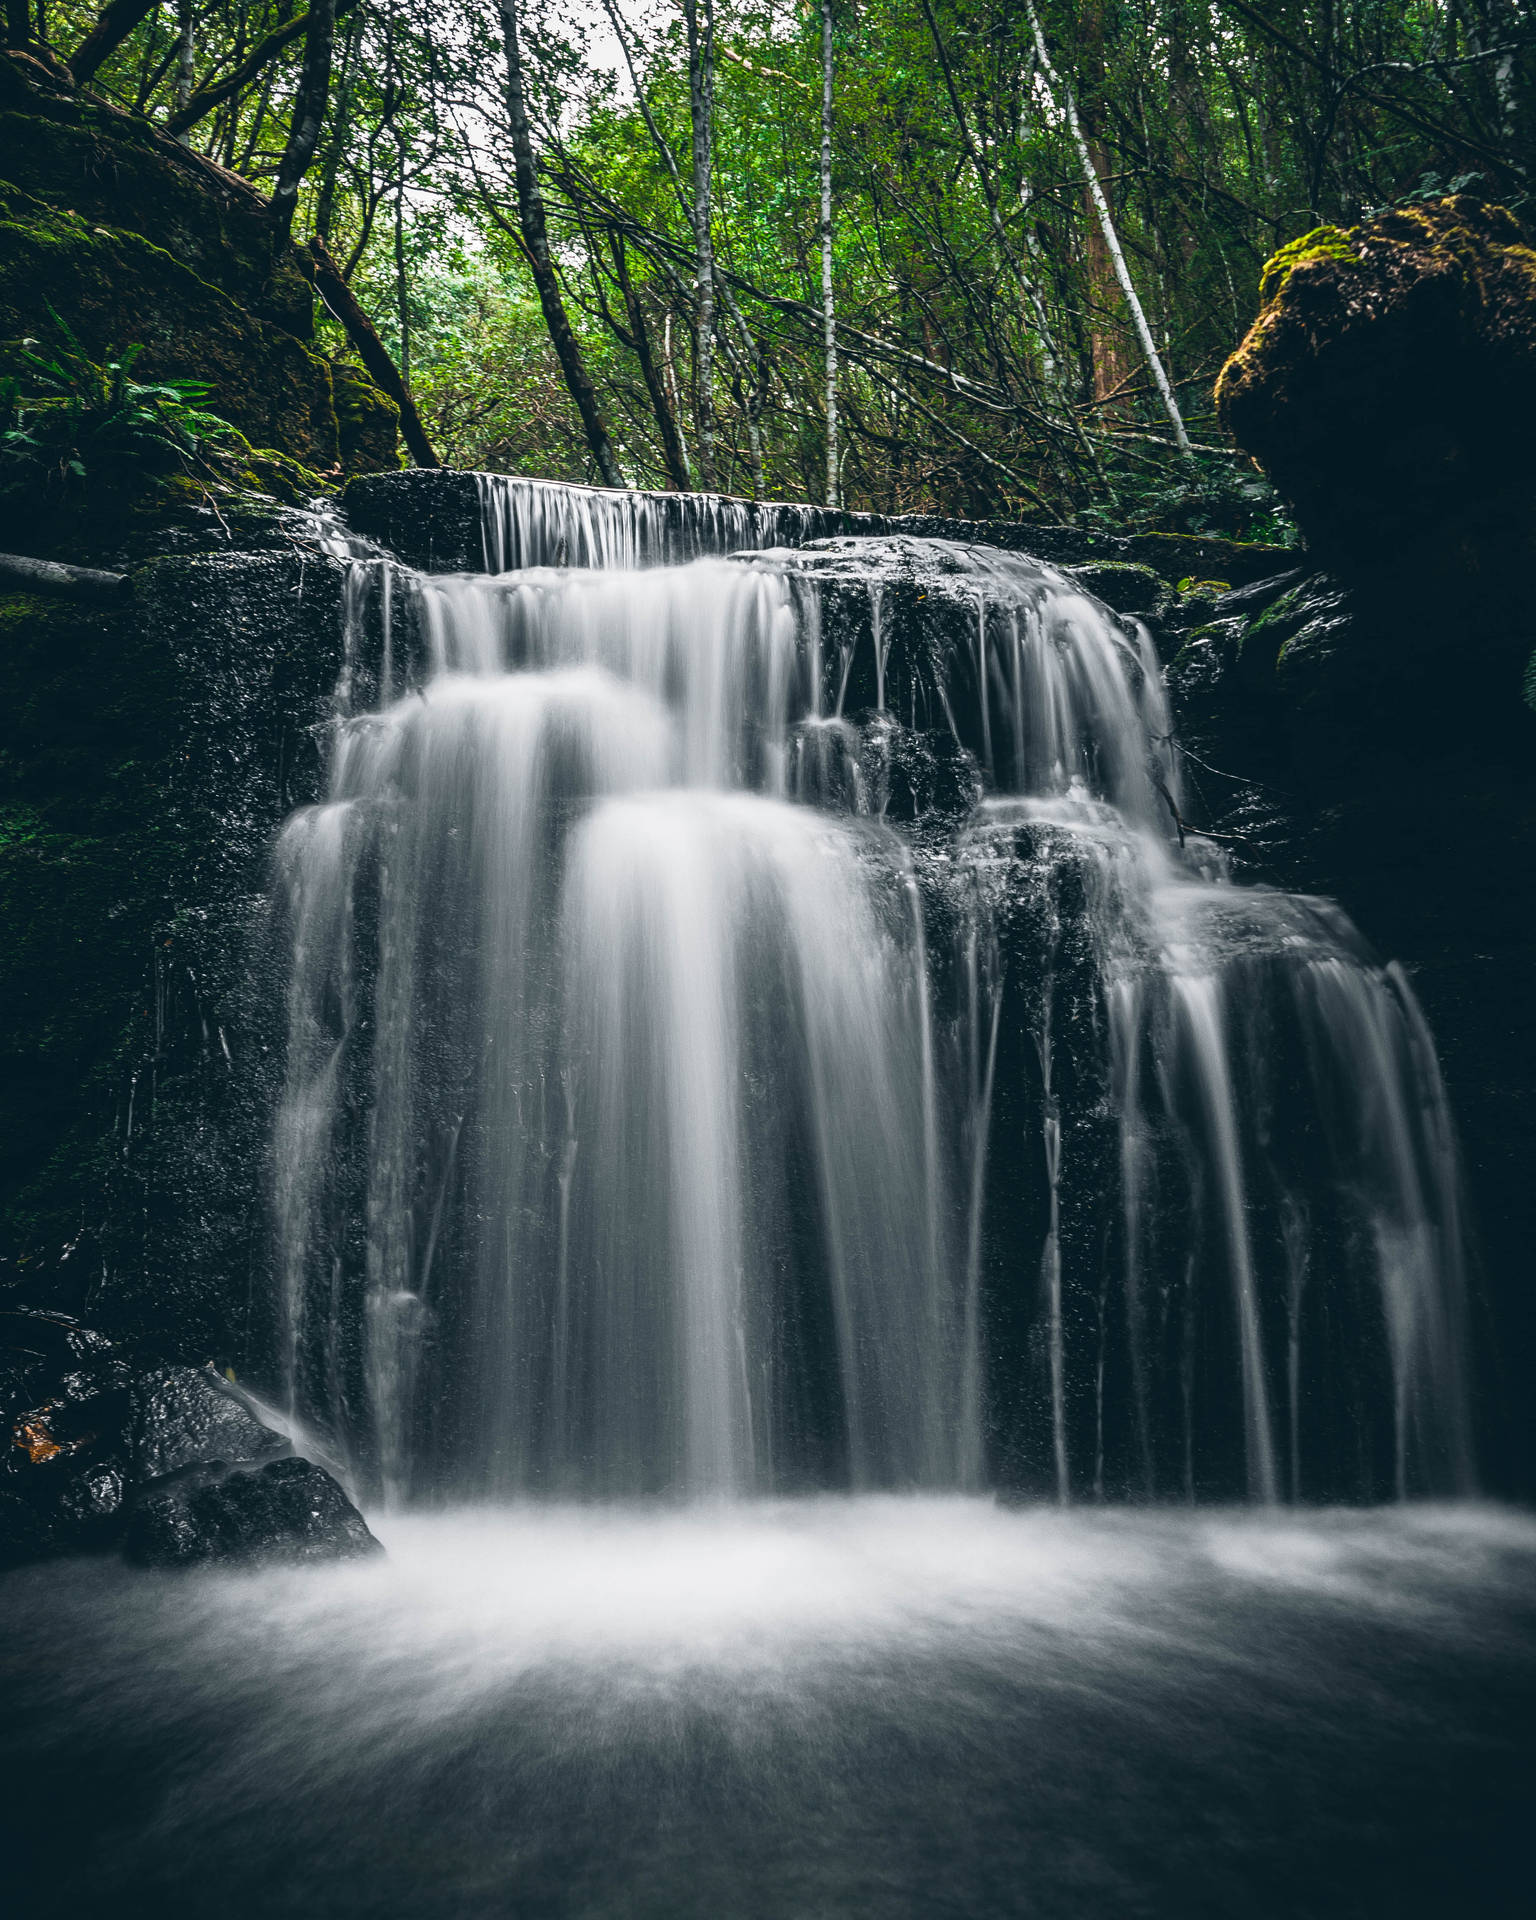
column 183, row 1416
column 97, row 1452
column 286, row 1510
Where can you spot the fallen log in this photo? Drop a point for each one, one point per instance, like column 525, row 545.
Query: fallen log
column 18, row 571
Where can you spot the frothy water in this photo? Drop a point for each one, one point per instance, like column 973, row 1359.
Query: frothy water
column 873, row 1707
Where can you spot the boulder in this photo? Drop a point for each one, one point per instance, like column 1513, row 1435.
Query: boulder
column 184, row 1416
column 135, row 239
column 286, row 1510
column 168, row 1462
column 1388, row 385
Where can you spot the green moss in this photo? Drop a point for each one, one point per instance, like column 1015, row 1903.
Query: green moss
column 367, row 422
column 1322, row 243
column 114, row 287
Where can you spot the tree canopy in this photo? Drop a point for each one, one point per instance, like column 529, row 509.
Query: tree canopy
column 918, row 254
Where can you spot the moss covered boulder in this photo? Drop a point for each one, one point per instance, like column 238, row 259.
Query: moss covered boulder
column 132, row 238
column 1388, row 386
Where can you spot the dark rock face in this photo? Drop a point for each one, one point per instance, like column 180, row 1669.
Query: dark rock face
column 101, row 1451
column 136, row 240
column 286, row 1510
column 147, row 757
column 1388, row 386
column 1362, row 731
column 1357, row 745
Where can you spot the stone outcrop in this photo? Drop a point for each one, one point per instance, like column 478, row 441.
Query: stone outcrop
column 1388, row 385
column 133, row 239
column 101, row 1451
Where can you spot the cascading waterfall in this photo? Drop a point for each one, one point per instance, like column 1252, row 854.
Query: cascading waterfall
column 753, row 1025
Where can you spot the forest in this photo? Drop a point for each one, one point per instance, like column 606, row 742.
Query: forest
column 935, row 254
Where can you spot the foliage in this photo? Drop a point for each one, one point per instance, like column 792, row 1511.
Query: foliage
column 987, row 357
column 67, row 419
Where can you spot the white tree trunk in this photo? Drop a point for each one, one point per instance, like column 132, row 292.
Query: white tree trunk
column 700, row 17
column 1111, row 238
column 186, row 58
column 828, row 304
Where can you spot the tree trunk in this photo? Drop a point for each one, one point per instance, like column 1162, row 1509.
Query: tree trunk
column 371, row 350
column 308, row 116
column 341, row 127
column 701, row 106
column 112, row 27
column 186, row 56
column 1111, row 366
column 828, row 305
column 18, row 23
column 672, row 454
column 1106, row 227
column 402, row 286
column 530, row 212
column 27, row 575
column 260, row 56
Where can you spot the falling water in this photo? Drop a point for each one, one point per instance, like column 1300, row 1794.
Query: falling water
column 691, row 1089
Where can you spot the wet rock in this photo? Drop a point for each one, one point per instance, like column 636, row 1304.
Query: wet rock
column 64, row 1399
column 99, row 1451
column 1388, row 386
column 182, row 1416
column 1124, row 585
column 286, row 1510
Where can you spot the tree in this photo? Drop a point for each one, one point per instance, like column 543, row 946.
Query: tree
column 828, row 304
column 700, row 18
column 530, row 205
column 308, row 117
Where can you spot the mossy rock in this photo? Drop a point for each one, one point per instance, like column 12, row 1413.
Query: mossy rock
column 1124, row 585
column 115, row 288
column 134, row 239
column 1388, row 387
column 115, row 171
column 367, row 422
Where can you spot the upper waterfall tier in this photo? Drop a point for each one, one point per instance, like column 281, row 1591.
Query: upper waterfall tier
column 763, row 1022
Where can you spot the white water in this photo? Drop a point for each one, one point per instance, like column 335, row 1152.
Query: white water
column 624, row 1147
column 852, row 1708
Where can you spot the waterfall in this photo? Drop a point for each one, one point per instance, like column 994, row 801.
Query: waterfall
column 758, row 1023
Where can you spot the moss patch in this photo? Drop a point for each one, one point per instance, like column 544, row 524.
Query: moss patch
column 1322, row 243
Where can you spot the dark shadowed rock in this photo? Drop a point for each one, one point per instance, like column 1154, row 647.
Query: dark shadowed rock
column 1388, row 386
column 183, row 1417
column 287, row 1510
column 100, row 1452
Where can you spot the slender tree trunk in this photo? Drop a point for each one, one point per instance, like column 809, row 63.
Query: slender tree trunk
column 701, row 105
column 18, row 23
column 828, row 304
column 1106, row 227
column 308, row 117
column 672, row 453
column 325, row 199
column 402, row 284
column 530, row 211
column 371, row 350
column 186, row 58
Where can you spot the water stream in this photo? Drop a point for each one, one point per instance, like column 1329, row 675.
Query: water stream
column 633, row 1138
column 826, row 1229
